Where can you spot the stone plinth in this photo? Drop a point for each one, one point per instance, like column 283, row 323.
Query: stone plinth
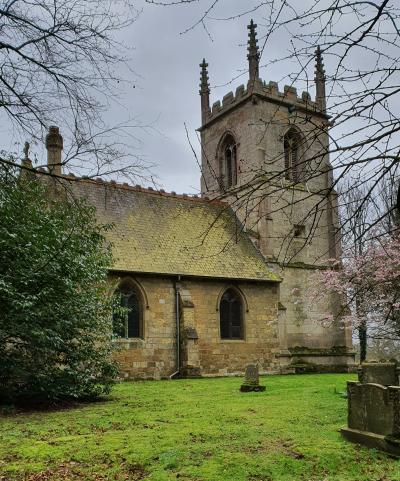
column 374, row 416
column 371, row 440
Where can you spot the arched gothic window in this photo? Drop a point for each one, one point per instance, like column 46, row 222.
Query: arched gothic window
column 231, row 315
column 228, row 155
column 291, row 145
column 131, row 323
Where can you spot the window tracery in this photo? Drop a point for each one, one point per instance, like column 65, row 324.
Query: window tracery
column 231, row 315
column 291, row 146
column 228, row 161
column 131, row 323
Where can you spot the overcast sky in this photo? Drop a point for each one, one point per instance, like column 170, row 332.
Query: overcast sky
column 166, row 93
column 166, row 60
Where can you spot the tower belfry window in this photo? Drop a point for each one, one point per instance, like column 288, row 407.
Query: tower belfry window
column 228, row 165
column 291, row 146
column 230, row 159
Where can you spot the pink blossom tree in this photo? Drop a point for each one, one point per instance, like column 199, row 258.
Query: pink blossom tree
column 369, row 286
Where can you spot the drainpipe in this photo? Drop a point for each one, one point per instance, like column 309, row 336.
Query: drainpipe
column 178, row 330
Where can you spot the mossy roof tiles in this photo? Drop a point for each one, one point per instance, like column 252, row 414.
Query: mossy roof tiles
column 164, row 234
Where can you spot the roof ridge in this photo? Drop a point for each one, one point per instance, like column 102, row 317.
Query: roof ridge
column 139, row 188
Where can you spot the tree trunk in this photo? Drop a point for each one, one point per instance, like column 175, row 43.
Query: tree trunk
column 362, row 328
column 362, row 335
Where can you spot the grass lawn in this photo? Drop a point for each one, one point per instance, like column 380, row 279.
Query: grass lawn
column 195, row 430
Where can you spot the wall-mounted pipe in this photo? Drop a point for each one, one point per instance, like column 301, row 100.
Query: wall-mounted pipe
column 177, row 328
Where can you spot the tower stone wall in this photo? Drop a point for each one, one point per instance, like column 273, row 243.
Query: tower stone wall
column 291, row 215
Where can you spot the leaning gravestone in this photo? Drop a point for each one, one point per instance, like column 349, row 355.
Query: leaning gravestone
column 384, row 373
column 251, row 380
column 374, row 416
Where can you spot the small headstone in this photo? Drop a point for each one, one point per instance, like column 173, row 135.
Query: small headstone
column 384, row 373
column 251, row 380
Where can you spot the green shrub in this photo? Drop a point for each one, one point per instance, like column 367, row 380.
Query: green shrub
column 55, row 305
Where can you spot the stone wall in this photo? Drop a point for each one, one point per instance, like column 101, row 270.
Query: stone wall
column 271, row 209
column 304, row 328
column 260, row 345
column 202, row 352
column 152, row 357
column 259, row 125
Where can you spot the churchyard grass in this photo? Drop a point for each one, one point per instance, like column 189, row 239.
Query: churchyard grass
column 194, row 430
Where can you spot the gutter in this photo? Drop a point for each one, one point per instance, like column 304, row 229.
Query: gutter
column 178, row 330
column 197, row 276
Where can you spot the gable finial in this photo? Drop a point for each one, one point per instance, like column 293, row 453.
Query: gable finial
column 26, row 164
column 26, row 161
column 253, row 55
column 204, row 85
column 204, row 91
column 320, row 97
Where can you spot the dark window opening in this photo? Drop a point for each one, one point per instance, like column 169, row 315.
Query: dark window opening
column 231, row 315
column 291, row 144
column 229, row 162
column 129, row 324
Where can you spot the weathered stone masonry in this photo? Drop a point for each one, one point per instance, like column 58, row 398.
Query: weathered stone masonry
column 287, row 205
column 220, row 282
column 202, row 352
column 163, row 246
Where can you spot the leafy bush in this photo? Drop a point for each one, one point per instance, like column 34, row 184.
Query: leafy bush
column 55, row 304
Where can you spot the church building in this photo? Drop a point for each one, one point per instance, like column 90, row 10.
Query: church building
column 216, row 282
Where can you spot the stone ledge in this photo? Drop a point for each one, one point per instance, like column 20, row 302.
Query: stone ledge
column 316, row 352
column 306, row 367
column 372, row 440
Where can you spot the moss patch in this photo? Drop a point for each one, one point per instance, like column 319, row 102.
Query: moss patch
column 195, row 430
column 306, row 351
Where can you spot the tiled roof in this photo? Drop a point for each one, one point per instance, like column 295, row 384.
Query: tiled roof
column 161, row 233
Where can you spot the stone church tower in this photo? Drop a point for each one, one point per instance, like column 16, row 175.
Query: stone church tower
column 265, row 152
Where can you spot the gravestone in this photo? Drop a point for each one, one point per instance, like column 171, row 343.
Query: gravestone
column 251, row 380
column 384, row 373
column 374, row 416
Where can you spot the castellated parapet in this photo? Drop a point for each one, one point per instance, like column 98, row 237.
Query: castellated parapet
column 267, row 91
